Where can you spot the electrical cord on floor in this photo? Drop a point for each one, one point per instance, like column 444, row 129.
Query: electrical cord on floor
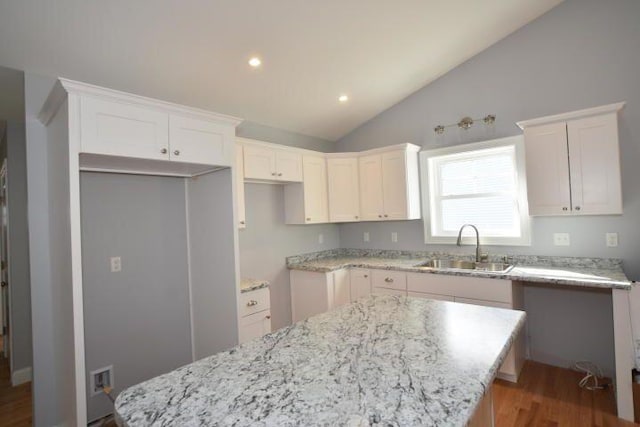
column 592, row 374
column 102, row 422
column 107, row 391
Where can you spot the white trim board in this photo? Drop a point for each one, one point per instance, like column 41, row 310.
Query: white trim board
column 21, row 376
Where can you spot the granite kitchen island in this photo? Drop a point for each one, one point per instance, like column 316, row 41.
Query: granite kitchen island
column 382, row 360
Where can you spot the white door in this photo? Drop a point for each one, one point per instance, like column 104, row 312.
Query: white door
column 547, row 160
column 316, row 208
column 118, row 129
column 371, row 198
column 594, row 160
column 200, row 141
column 360, row 282
column 394, row 185
column 288, row 166
column 242, row 218
column 259, row 162
column 254, row 326
column 341, row 288
column 344, row 190
column 4, row 263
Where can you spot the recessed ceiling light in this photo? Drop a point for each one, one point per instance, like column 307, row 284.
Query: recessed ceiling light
column 255, row 62
column 343, row 98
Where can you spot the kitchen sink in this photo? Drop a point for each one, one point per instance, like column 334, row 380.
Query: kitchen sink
column 444, row 264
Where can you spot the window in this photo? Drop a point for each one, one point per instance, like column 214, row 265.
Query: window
column 481, row 184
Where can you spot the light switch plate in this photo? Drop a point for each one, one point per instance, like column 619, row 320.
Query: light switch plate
column 394, row 237
column 561, row 239
column 321, row 239
column 365, row 236
column 612, row 240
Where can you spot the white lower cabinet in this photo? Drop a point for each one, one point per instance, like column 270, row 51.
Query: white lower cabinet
column 389, row 279
column 360, row 283
column 314, row 293
column 388, row 291
column 477, row 291
column 255, row 314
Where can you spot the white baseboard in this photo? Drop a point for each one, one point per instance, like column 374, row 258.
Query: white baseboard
column 21, row 376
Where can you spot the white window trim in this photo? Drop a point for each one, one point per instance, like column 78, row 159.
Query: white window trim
column 525, row 220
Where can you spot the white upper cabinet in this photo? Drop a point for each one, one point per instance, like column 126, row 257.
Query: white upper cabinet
column 344, row 189
column 389, row 187
column 117, row 129
column 264, row 163
column 573, row 163
column 239, row 171
column 371, row 196
column 307, row 203
column 200, row 141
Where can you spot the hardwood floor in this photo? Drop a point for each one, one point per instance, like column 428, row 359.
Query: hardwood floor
column 15, row 402
column 550, row 396
column 544, row 396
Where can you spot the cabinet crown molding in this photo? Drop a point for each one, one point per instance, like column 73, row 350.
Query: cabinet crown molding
column 63, row 87
column 579, row 114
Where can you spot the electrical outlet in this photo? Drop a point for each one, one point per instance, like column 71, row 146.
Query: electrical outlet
column 365, row 236
column 321, row 239
column 101, row 378
column 394, row 237
column 116, row 264
column 561, row 239
column 612, row 240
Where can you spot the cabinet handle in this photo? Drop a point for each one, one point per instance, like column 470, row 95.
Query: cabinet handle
column 268, row 316
column 366, row 275
column 577, row 208
column 388, row 280
column 273, row 174
column 252, row 303
column 379, row 216
column 163, row 151
column 564, row 209
column 242, row 222
column 308, row 219
column 386, row 216
column 177, row 152
column 280, row 174
column 356, row 217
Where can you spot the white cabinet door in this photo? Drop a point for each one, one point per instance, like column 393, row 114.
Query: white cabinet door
column 360, row 283
column 387, row 291
column 547, row 162
column 394, row 185
column 344, row 189
column 371, row 196
column 200, row 141
column 255, row 326
column 119, row 129
column 430, row 296
column 341, row 289
column 259, row 162
column 288, row 166
column 594, row 160
column 316, row 208
column 239, row 168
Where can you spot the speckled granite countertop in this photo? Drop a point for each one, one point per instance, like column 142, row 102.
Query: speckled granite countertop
column 569, row 271
column 248, row 285
column 382, row 360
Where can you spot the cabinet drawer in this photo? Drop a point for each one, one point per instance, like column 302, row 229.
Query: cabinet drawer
column 200, row 141
column 463, row 287
column 389, row 279
column 254, row 326
column 254, row 301
column 430, row 296
column 118, row 129
column 387, row 291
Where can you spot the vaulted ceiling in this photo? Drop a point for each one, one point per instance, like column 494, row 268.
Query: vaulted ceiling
column 195, row 52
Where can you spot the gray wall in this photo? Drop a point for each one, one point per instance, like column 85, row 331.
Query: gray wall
column 267, row 241
column 20, row 321
column 580, row 54
column 142, row 219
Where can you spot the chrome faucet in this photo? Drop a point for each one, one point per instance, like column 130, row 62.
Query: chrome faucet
column 479, row 256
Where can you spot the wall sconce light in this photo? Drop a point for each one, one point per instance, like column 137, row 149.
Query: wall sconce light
column 466, row 123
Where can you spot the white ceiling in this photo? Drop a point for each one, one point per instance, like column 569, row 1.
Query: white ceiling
column 195, row 52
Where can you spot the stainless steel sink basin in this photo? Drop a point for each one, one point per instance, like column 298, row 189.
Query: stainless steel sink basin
column 466, row 265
